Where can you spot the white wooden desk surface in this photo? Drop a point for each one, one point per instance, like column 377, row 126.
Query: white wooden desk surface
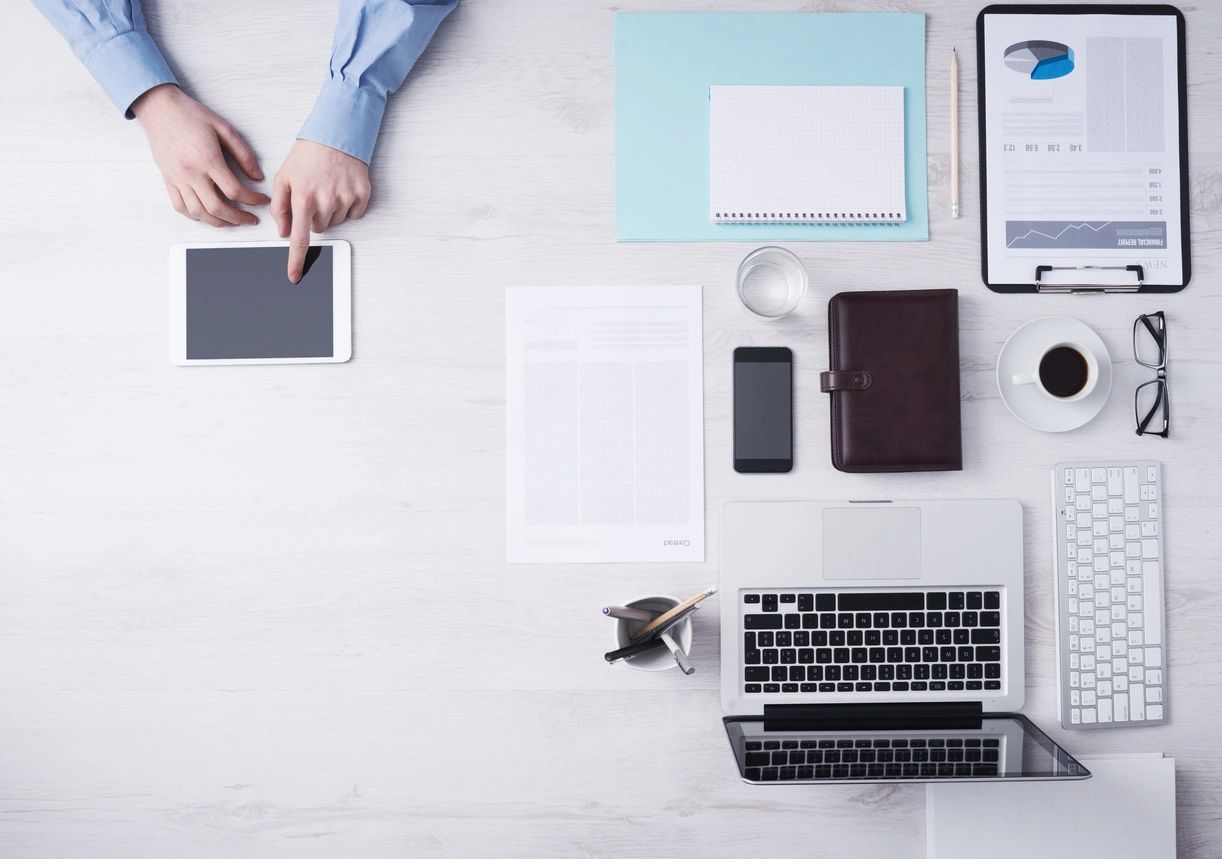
column 252, row 611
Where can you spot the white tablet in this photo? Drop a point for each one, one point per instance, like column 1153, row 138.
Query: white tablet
column 232, row 303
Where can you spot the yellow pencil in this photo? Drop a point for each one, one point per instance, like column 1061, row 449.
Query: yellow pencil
column 666, row 616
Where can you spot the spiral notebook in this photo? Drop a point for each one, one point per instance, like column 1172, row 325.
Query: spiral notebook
column 806, row 155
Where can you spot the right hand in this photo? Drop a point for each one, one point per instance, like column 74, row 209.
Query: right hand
column 189, row 143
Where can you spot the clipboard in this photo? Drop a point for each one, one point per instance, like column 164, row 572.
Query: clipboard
column 1110, row 272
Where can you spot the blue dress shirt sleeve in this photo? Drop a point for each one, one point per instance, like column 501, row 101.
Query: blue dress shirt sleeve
column 112, row 40
column 376, row 44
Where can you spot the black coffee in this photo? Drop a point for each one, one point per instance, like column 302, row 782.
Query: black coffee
column 1063, row 371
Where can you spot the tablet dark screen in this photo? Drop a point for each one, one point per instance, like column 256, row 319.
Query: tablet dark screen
column 240, row 304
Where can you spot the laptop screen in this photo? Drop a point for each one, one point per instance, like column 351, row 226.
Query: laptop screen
column 1005, row 747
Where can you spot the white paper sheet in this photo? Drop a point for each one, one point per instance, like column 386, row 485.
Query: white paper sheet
column 1126, row 808
column 806, row 154
column 1082, row 154
column 605, row 432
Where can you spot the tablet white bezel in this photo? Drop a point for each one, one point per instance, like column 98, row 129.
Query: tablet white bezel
column 341, row 279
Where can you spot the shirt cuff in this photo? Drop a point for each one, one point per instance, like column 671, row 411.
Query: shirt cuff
column 346, row 118
column 127, row 66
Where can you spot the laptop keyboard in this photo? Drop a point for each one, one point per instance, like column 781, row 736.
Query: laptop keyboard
column 872, row 641
column 951, row 757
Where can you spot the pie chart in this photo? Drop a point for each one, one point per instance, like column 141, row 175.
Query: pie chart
column 1040, row 60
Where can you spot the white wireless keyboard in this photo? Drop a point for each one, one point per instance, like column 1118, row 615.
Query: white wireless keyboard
column 1108, row 558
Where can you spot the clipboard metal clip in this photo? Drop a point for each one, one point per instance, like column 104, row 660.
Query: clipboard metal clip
column 1087, row 288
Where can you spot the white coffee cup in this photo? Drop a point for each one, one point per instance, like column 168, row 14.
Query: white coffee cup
column 1041, row 376
column 660, row 658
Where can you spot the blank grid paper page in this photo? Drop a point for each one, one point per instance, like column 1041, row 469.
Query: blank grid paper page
column 806, row 154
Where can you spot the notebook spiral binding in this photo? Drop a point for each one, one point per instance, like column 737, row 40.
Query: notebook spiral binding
column 813, row 218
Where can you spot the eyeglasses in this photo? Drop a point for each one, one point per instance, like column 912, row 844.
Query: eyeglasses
column 1151, row 403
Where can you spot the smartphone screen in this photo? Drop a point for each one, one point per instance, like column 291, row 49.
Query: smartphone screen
column 763, row 410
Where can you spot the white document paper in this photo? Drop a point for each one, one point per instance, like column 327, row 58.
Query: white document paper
column 605, row 434
column 806, row 154
column 1081, row 145
column 1125, row 809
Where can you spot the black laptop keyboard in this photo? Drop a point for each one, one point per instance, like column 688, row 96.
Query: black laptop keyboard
column 871, row 641
column 926, row 758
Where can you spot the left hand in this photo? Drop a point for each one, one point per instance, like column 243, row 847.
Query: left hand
column 317, row 187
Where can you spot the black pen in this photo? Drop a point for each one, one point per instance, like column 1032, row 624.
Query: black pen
column 631, row 650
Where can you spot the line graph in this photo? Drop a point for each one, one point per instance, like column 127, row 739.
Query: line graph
column 1057, row 237
column 1087, row 235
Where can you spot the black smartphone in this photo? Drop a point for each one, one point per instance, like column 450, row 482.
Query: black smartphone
column 763, row 410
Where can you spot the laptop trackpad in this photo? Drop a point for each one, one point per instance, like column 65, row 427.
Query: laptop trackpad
column 872, row 543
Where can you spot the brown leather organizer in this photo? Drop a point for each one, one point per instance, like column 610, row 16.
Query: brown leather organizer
column 894, row 380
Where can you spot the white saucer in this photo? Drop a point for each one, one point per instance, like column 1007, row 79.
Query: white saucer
column 1022, row 352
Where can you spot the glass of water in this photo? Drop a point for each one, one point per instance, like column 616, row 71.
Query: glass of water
column 771, row 282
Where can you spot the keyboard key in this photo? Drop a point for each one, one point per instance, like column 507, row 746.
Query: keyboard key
column 751, row 599
column 986, row 636
column 975, row 600
column 806, row 602
column 751, row 688
column 825, row 602
column 769, row 602
column 786, row 598
column 992, row 600
column 876, row 601
column 956, row 601
column 756, row 674
column 763, row 621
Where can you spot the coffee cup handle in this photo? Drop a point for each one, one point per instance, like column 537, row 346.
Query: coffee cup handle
column 1023, row 379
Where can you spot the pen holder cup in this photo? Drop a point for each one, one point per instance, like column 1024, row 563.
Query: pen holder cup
column 660, row 658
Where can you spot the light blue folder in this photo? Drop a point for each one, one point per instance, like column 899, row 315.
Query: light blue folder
column 664, row 65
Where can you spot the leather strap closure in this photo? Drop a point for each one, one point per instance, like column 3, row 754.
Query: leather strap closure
column 844, row 380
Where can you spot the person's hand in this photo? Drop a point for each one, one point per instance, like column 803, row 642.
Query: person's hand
column 189, row 143
column 317, row 187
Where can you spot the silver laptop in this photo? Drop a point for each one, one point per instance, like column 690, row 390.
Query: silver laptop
column 877, row 641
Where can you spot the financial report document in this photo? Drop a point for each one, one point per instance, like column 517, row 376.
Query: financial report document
column 605, row 424
column 1081, row 148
